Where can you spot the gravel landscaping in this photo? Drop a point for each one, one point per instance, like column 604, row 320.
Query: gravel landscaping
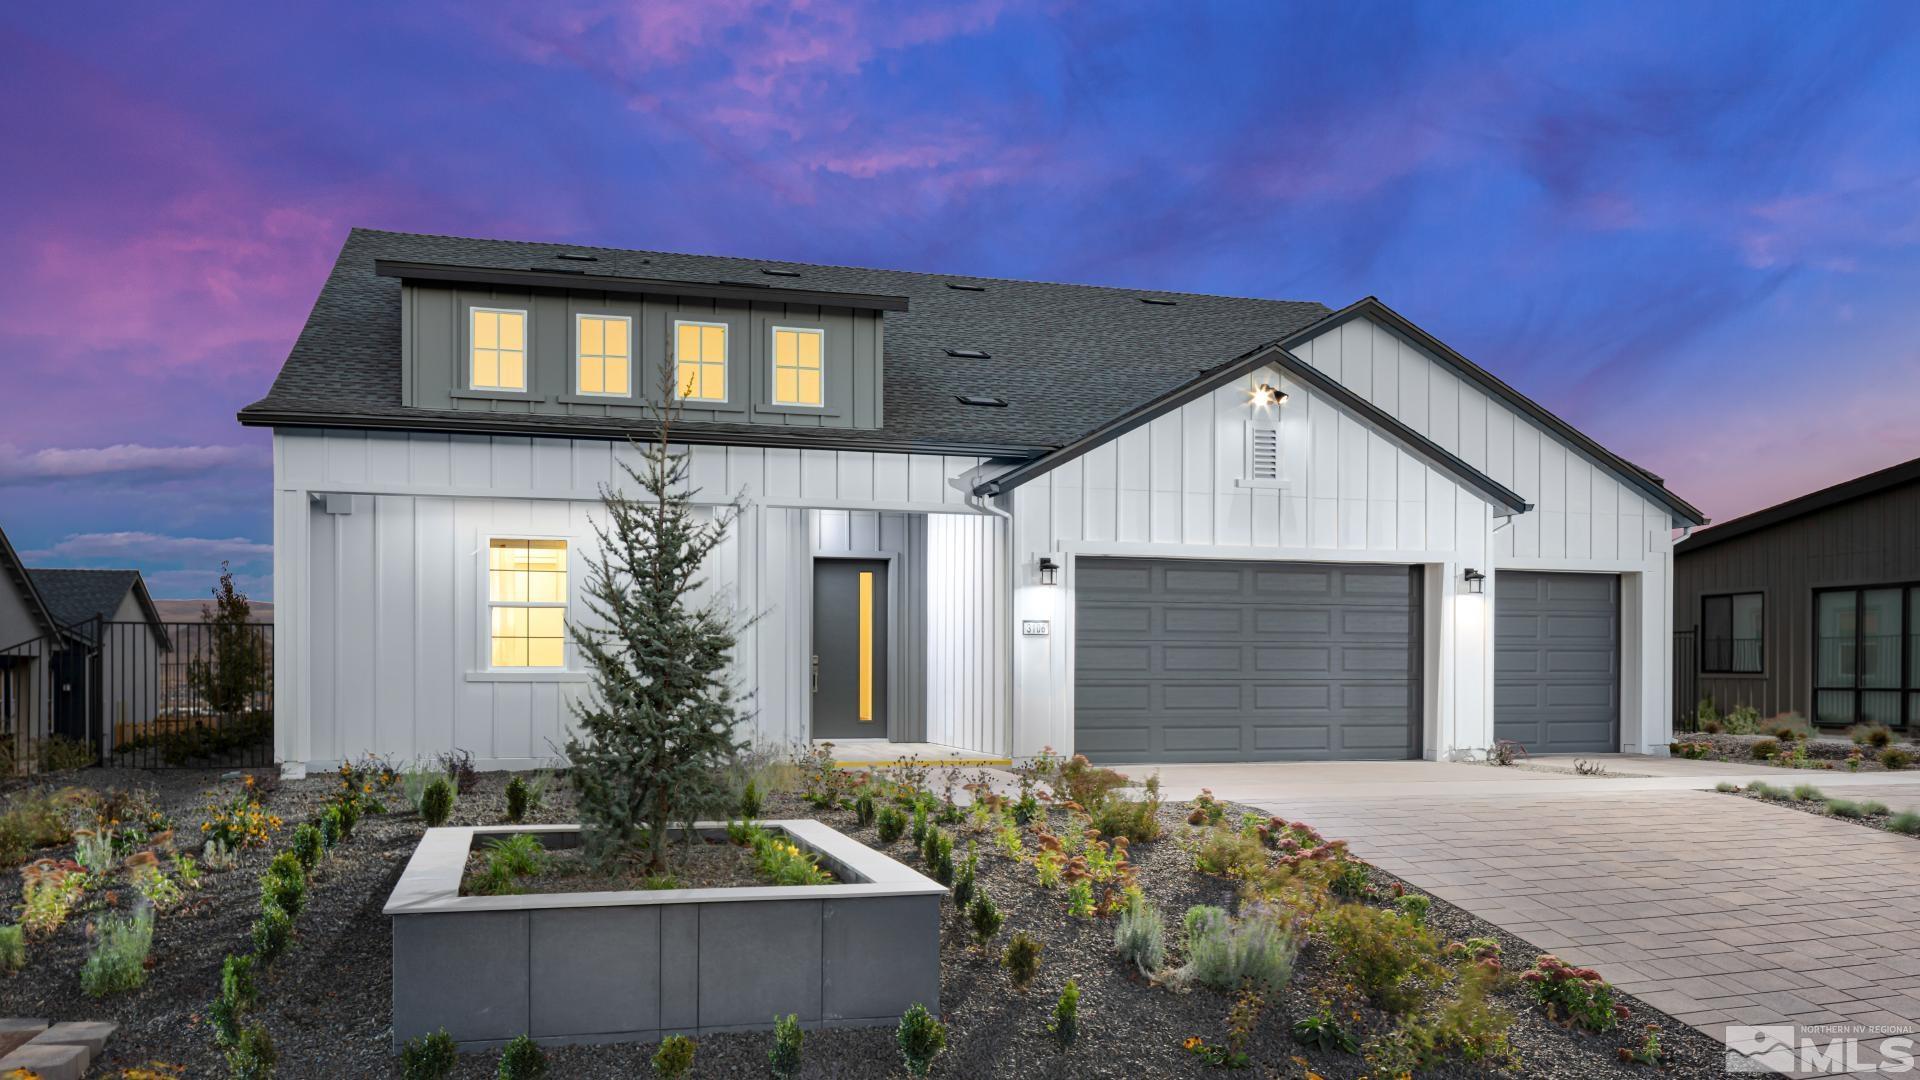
column 326, row 1001
column 1818, row 752
column 1903, row 820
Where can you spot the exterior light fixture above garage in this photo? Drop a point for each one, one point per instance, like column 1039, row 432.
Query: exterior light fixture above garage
column 1476, row 581
column 1049, row 571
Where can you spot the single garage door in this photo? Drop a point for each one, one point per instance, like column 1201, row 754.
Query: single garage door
column 1188, row 660
column 1556, row 665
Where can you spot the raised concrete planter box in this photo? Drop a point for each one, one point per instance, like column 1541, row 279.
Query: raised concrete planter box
column 637, row 966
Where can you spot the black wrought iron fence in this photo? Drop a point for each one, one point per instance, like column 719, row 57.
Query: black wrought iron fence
column 139, row 695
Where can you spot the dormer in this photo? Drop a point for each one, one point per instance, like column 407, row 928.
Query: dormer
column 566, row 341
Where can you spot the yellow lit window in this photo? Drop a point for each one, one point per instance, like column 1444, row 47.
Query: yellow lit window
column 700, row 360
column 499, row 351
column 527, row 603
column 603, row 354
column 796, row 366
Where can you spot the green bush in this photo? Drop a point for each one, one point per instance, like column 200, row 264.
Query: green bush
column 891, row 823
column 1894, row 758
column 519, row 855
column 429, row 1057
column 983, row 916
column 522, row 1058
column 1875, row 735
column 863, row 809
column 921, row 825
column 1086, row 783
column 1230, row 853
column 1392, row 961
column 1225, row 953
column 784, row 1058
column 1845, row 808
column 237, row 995
column 1065, row 1024
column 307, row 846
column 1022, row 958
column 1767, row 791
column 1139, row 936
column 1765, row 748
column 13, row 948
column 1807, row 793
column 252, row 1056
column 1726, row 786
column 1906, row 822
column 937, row 853
column 965, row 878
column 750, row 799
column 119, row 957
column 283, row 886
column 436, row 805
column 1875, row 808
column 330, row 828
column 1463, row 1025
column 1137, row 820
column 272, row 932
column 1571, row 994
column 673, row 1057
column 1414, row 906
column 921, row 1038
column 516, row 812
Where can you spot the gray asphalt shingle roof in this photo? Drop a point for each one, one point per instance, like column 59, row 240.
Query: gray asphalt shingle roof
column 1066, row 358
column 77, row 595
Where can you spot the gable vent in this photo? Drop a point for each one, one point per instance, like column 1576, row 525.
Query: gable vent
column 970, row 354
column 966, row 288
column 1263, row 454
column 981, row 399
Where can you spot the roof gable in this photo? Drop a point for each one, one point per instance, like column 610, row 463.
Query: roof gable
column 15, row 571
column 76, row 596
column 1860, row 487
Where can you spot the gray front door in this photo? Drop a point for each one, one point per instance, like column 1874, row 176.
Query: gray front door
column 1556, row 669
column 1195, row 660
column 849, row 649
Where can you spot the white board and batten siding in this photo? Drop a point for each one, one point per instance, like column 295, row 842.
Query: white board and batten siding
column 382, row 610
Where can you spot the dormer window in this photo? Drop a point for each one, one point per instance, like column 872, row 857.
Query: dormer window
column 796, row 366
column 700, row 361
column 498, row 354
column 603, row 354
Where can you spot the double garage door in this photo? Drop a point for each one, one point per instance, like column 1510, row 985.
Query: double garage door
column 1190, row 660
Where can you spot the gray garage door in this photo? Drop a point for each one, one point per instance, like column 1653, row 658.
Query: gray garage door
column 1188, row 660
column 1556, row 665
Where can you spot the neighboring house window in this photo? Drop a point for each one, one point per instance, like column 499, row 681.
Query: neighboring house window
column 1866, row 661
column 1730, row 637
column 796, row 366
column 498, row 357
column 700, row 360
column 603, row 354
column 527, row 603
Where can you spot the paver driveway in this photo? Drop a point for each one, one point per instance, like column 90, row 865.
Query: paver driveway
column 1716, row 909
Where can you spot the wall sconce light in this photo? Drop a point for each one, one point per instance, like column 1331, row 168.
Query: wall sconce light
column 1476, row 581
column 1049, row 571
column 1269, row 394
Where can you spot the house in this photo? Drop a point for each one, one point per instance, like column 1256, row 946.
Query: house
column 28, row 634
column 994, row 515
column 1811, row 606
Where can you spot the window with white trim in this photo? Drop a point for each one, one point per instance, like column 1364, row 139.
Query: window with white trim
column 796, row 366
column 602, row 354
column 526, row 603
column 497, row 350
column 700, row 361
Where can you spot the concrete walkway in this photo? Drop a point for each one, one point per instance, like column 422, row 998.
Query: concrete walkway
column 1716, row 909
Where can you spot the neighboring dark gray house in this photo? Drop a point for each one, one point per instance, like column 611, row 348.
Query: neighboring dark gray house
column 1811, row 606
column 989, row 514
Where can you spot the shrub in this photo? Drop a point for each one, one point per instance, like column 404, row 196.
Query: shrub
column 863, row 809
column 252, row 1056
column 964, row 879
column 1571, row 994
column 1875, row 808
column 1874, row 734
column 1391, row 960
column 1505, row 752
column 750, row 800
column 1414, row 906
column 1906, row 821
column 237, row 995
column 1767, row 791
column 13, row 948
column 1789, row 727
column 1807, row 793
column 1743, row 720
column 1845, row 808
column 522, row 1059
column 1726, row 786
column 920, row 824
column 307, row 846
column 1065, row 1024
column 519, row 855
column 891, row 824
column 984, row 917
column 516, row 813
column 1087, row 784
column 1894, row 758
column 1230, row 853
column 429, row 1057
column 1207, row 810
column 1764, row 748
column 458, row 765
column 1464, row 1024
column 921, row 1038
column 937, row 853
column 1322, row 1032
column 1139, row 936
column 272, row 932
column 784, row 1058
column 240, row 821
column 784, row 862
column 1137, row 820
column 284, row 886
column 1255, row 950
column 119, row 957
column 436, row 805
column 1080, row 899
column 1022, row 958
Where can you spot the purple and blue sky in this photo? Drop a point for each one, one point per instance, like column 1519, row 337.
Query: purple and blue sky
column 1692, row 230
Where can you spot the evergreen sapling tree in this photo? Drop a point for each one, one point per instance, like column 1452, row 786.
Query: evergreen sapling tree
column 654, row 735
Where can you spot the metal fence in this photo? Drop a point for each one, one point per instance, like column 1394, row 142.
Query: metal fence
column 138, row 695
column 1686, row 680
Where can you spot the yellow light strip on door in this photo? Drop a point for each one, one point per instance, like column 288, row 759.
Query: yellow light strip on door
column 866, row 646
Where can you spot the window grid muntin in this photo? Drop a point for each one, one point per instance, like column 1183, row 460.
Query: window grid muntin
column 526, row 603
column 1732, row 654
column 592, row 351
column 801, row 368
column 487, row 352
column 1848, row 689
column 708, row 365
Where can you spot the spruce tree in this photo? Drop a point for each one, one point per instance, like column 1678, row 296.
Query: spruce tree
column 653, row 737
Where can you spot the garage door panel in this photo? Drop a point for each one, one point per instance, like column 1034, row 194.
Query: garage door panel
column 1557, row 661
column 1244, row 661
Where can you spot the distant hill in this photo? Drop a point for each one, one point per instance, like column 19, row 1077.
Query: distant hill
column 189, row 610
